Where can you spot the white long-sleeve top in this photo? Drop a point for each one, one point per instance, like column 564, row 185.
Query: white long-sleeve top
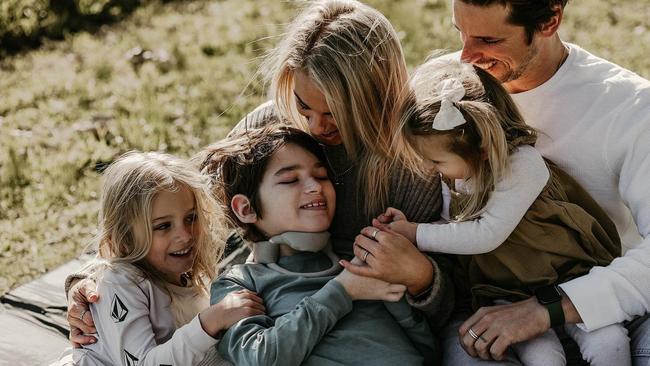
column 137, row 324
column 512, row 197
column 595, row 119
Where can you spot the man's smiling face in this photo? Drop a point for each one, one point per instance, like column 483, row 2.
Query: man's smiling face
column 491, row 42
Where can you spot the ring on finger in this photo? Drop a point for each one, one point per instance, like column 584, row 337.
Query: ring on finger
column 374, row 234
column 83, row 312
column 365, row 255
column 473, row 334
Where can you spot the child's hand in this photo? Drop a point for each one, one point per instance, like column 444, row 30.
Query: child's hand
column 391, row 214
column 367, row 288
column 234, row 307
column 395, row 220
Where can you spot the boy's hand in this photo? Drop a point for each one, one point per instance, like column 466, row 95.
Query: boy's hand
column 367, row 288
column 80, row 295
column 396, row 221
column 232, row 308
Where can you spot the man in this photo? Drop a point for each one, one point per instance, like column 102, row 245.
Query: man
column 595, row 122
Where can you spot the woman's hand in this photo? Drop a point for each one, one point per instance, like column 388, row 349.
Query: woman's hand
column 367, row 288
column 395, row 220
column 391, row 257
column 236, row 306
column 80, row 295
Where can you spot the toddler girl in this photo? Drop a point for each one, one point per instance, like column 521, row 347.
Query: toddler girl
column 514, row 238
column 157, row 253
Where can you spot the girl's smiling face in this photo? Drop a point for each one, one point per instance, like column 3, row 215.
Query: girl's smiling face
column 172, row 249
column 434, row 149
column 295, row 193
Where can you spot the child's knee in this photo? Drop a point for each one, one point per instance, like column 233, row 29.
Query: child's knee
column 611, row 338
column 605, row 345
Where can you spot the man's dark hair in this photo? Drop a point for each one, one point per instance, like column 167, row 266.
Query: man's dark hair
column 530, row 14
column 237, row 165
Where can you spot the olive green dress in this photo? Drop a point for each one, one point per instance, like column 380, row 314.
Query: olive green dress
column 562, row 236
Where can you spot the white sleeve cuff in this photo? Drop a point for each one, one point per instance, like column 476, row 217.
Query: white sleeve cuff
column 196, row 337
column 595, row 300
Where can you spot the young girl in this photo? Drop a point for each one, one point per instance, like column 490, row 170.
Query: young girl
column 464, row 123
column 157, row 253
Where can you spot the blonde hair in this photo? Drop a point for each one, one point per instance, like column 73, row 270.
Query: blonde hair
column 493, row 128
column 131, row 184
column 353, row 55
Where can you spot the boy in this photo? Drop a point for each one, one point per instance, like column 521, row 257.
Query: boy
column 274, row 186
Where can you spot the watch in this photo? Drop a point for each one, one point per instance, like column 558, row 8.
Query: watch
column 551, row 297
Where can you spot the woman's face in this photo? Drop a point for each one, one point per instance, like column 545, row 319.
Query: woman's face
column 311, row 103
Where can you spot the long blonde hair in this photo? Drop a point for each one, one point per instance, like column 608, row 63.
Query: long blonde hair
column 493, row 128
column 131, row 184
column 353, row 55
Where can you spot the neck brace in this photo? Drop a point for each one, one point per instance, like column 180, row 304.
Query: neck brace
column 267, row 252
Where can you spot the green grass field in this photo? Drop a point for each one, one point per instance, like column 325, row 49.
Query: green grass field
column 175, row 77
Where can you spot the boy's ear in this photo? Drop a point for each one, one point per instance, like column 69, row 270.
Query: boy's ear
column 242, row 208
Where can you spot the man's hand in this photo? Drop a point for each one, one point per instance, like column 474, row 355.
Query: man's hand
column 392, row 258
column 498, row 327
column 79, row 317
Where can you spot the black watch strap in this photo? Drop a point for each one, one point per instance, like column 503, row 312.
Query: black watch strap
column 551, row 297
column 556, row 313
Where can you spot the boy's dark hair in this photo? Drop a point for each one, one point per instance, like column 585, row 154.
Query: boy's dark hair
column 237, row 165
column 530, row 14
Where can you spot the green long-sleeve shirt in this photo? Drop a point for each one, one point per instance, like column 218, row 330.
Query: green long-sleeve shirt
column 312, row 321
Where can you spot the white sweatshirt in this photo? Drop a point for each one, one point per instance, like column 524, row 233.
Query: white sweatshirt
column 505, row 208
column 136, row 324
column 595, row 119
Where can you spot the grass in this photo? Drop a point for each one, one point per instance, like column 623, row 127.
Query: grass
column 175, row 77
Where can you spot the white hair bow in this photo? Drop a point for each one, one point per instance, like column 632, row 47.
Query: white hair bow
column 449, row 116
